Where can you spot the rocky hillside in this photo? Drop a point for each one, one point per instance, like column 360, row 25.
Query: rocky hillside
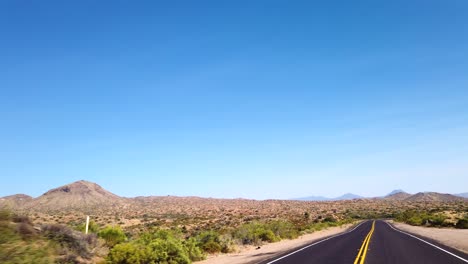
column 434, row 197
column 77, row 195
column 14, row 201
column 90, row 198
column 398, row 196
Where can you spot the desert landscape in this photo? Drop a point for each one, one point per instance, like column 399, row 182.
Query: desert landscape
column 216, row 227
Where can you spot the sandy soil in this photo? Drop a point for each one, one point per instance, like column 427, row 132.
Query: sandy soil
column 253, row 255
column 455, row 238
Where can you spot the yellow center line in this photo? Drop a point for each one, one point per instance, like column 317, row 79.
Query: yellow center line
column 365, row 245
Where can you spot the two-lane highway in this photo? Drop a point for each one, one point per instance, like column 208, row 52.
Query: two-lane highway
column 373, row 242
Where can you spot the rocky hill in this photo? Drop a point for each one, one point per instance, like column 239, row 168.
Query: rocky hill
column 77, row 195
column 14, row 201
column 434, row 197
column 397, row 196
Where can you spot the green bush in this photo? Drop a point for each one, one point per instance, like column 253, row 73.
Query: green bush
column 193, row 251
column 283, row 230
column 418, row 218
column 127, row 253
column 167, row 251
column 112, row 235
column 160, row 246
column 462, row 224
column 255, row 233
column 209, row 242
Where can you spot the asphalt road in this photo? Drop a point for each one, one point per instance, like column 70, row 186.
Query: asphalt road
column 381, row 244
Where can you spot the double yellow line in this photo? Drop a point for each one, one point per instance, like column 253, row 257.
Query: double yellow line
column 365, row 245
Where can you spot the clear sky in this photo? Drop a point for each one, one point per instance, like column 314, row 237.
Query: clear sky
column 253, row 99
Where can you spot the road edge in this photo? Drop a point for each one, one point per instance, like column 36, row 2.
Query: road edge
column 432, row 242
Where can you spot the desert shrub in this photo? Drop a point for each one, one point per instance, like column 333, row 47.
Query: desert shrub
column 5, row 214
column 227, row 244
column 209, row 241
column 418, row 218
column 13, row 247
column 25, row 229
column 112, row 235
column 329, row 219
column 415, row 220
column 194, row 252
column 462, row 223
column 127, row 253
column 67, row 239
column 436, row 219
column 167, row 251
column 160, row 246
column 21, row 219
column 255, row 233
column 283, row 229
column 211, row 247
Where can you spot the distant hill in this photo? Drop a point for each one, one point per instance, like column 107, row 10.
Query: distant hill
column 313, row 198
column 434, row 197
column 397, row 195
column 464, row 195
column 395, row 192
column 16, row 200
column 346, row 196
column 77, row 195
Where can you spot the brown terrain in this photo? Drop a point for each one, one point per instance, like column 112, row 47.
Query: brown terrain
column 70, row 203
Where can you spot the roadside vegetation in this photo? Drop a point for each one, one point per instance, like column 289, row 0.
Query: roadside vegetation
column 432, row 219
column 22, row 242
column 180, row 238
column 177, row 246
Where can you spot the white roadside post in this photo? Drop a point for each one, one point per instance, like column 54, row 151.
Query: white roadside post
column 87, row 224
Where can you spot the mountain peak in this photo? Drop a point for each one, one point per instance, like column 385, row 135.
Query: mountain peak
column 77, row 195
column 348, row 196
column 79, row 187
column 395, row 192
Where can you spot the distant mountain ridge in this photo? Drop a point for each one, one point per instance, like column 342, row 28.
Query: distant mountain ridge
column 87, row 196
column 395, row 192
column 346, row 196
column 464, row 195
column 399, row 195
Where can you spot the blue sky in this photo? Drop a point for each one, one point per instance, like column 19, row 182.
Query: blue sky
column 253, row 99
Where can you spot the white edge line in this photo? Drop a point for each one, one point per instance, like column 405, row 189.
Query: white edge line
column 448, row 252
column 285, row 256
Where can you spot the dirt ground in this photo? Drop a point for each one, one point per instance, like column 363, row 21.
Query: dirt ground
column 455, row 238
column 253, row 255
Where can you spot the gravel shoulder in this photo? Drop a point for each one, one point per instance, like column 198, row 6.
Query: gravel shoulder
column 455, row 238
column 251, row 254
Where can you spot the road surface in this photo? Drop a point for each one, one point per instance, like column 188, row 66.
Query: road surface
column 373, row 242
